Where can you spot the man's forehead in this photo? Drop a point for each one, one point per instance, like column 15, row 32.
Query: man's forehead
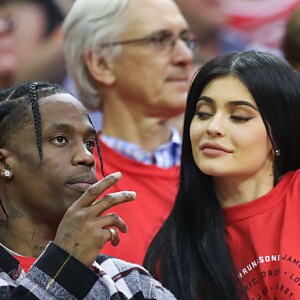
column 57, row 100
column 137, row 8
column 146, row 14
column 62, row 106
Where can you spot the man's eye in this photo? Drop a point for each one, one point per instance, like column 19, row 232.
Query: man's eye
column 187, row 37
column 90, row 144
column 59, row 140
column 161, row 38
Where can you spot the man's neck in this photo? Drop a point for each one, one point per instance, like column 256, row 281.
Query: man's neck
column 147, row 134
column 136, row 124
column 24, row 238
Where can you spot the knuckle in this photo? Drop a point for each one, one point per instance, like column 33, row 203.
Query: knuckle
column 108, row 199
column 93, row 190
column 127, row 196
column 114, row 217
column 80, row 215
column 110, row 179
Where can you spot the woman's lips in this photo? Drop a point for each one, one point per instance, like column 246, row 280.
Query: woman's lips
column 213, row 152
column 214, row 149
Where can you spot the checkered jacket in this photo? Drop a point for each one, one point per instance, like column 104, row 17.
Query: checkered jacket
column 57, row 275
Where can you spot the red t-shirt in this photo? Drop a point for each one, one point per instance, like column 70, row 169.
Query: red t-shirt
column 263, row 237
column 25, row 262
column 155, row 188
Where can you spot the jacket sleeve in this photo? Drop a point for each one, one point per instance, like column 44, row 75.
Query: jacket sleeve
column 157, row 291
column 131, row 280
column 55, row 275
column 58, row 275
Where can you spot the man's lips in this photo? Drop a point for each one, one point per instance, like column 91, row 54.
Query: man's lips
column 82, row 182
column 178, row 79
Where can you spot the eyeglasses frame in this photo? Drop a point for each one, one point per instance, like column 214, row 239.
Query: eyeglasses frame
column 151, row 39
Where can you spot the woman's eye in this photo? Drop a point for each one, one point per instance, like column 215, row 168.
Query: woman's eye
column 240, row 118
column 203, row 115
column 59, row 140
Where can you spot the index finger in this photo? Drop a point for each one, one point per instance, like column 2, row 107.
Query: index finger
column 112, row 199
column 95, row 190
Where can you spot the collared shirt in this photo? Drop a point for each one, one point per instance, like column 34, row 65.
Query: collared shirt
column 165, row 156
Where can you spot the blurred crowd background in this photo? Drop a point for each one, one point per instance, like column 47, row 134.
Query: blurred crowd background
column 31, row 45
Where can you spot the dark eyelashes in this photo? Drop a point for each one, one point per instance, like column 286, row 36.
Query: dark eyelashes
column 199, row 113
column 239, row 118
column 205, row 116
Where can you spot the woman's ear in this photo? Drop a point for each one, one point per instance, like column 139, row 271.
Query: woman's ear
column 5, row 164
column 100, row 68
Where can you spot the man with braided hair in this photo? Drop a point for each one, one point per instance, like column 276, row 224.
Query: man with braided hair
column 52, row 226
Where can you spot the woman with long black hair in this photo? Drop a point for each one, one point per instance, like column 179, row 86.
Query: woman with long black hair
column 233, row 231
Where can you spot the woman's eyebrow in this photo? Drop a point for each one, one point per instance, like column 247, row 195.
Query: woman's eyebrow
column 206, row 99
column 241, row 102
column 230, row 103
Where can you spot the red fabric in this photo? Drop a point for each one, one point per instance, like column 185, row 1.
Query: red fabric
column 155, row 188
column 25, row 262
column 249, row 19
column 263, row 237
column 262, row 22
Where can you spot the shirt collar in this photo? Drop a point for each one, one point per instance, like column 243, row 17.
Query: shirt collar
column 165, row 156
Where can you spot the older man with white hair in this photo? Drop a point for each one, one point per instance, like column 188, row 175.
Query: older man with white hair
column 131, row 59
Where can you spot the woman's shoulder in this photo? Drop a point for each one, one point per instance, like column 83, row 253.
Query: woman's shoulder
column 289, row 181
column 293, row 175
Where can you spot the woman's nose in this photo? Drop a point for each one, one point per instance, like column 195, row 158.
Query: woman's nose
column 216, row 127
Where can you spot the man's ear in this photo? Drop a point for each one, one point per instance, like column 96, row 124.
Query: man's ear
column 100, row 68
column 6, row 163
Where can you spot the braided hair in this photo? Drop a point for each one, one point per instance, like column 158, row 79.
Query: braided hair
column 15, row 105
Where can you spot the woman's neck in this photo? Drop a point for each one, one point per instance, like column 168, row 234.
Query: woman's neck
column 238, row 190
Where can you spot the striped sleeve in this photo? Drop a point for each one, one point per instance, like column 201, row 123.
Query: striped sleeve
column 58, row 275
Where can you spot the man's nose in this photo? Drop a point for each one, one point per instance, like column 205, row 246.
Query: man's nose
column 82, row 156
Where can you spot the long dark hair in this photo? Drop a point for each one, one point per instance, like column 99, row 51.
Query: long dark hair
column 189, row 254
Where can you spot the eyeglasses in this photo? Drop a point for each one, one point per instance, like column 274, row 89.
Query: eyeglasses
column 161, row 40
